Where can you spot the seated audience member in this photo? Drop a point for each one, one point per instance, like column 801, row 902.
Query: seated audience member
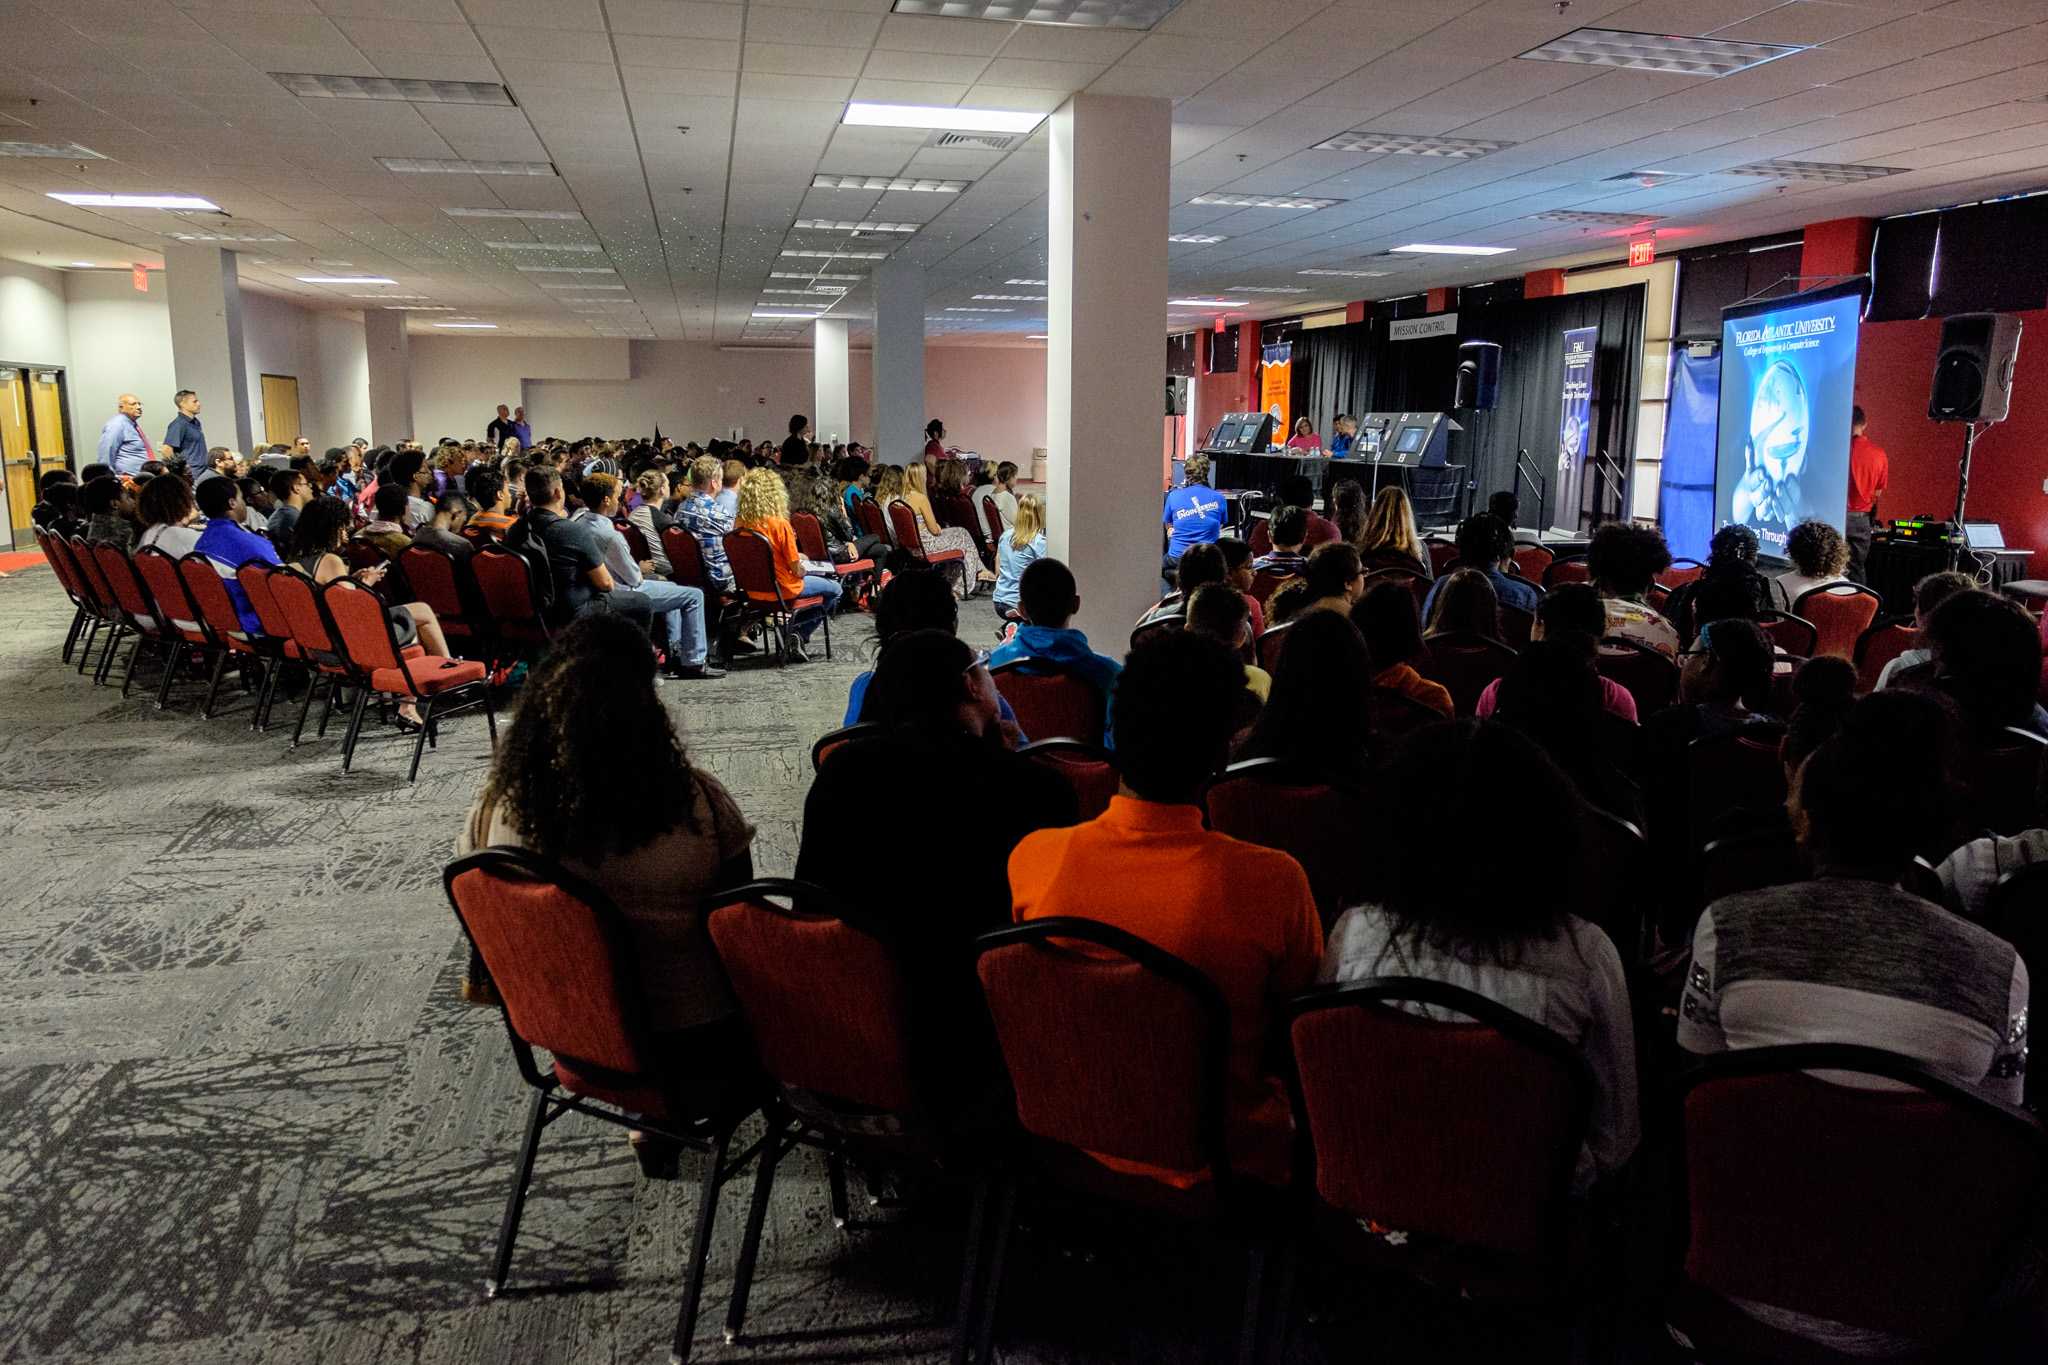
column 445, row 531
column 1287, row 528
column 1240, row 914
column 1987, row 658
column 1969, row 874
column 1389, row 540
column 852, row 475
column 657, row 835
column 1333, row 580
column 387, row 529
column 257, row 503
column 408, row 470
column 1312, row 716
column 1386, row 617
column 650, row 520
column 1569, row 609
column 1193, row 514
column 1819, row 557
column 290, row 491
column 1463, row 602
column 1004, row 492
column 61, row 510
column 1485, row 547
column 1505, row 505
column 706, row 515
column 1441, row 914
column 764, row 510
column 1724, row 684
column 729, row 500
column 315, row 553
column 1223, row 616
column 1731, row 577
column 1237, row 572
column 1049, row 598
column 1199, row 567
column 168, row 515
column 1021, row 545
column 936, row 539
column 679, row 609
column 109, row 514
column 1624, row 561
column 229, row 545
column 582, row 581
column 1929, row 593
column 1552, row 694
column 1349, row 511
column 888, row 486
column 491, row 494
column 1295, row 490
column 48, row 510
column 916, row 599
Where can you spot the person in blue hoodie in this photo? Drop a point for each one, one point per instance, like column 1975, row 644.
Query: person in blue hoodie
column 1049, row 597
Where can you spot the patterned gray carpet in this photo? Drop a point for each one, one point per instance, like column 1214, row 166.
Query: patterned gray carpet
column 244, row 1116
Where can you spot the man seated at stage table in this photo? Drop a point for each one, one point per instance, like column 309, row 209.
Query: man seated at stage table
column 1346, row 432
column 1296, row 490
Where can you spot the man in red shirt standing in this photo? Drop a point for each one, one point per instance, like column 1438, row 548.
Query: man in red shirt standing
column 1870, row 472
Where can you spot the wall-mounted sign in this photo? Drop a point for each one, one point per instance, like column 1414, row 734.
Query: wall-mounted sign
column 1643, row 252
column 1415, row 329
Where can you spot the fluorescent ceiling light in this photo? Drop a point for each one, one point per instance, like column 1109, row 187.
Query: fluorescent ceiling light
column 1648, row 179
column 1815, row 172
column 136, row 201
column 806, row 275
column 1268, row 288
column 566, row 270
column 839, row 255
column 530, row 215
column 1673, row 54
column 1196, row 238
column 1259, row 201
column 229, row 237
column 423, row 308
column 1591, row 217
column 819, row 289
column 1348, row 274
column 596, row 298
column 580, row 285
column 1023, row 281
column 1206, row 303
column 307, row 85
column 1410, row 144
column 911, row 184
column 62, row 151
column 1010, row 298
column 1446, row 249
column 777, row 313
column 84, row 265
column 544, row 246
column 981, row 310
column 343, row 279
column 450, row 165
column 469, row 326
column 833, row 225
column 1129, row 14
column 1037, row 336
column 861, row 114
column 389, row 296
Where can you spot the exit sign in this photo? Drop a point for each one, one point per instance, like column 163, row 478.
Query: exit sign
column 141, row 279
column 1642, row 253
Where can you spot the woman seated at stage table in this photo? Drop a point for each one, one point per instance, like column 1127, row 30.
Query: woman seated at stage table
column 1389, row 540
column 1304, row 438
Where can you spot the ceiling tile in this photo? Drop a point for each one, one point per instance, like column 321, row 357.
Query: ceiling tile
column 831, row 28
column 789, row 59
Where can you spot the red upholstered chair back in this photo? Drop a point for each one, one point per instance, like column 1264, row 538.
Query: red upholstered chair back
column 504, row 579
column 436, row 579
column 810, row 536
column 1271, row 641
column 635, row 538
column 903, row 528
column 1395, row 714
column 1650, row 677
column 558, row 956
column 1441, row 554
column 1266, row 582
column 299, row 600
column 829, row 743
column 992, row 517
column 2001, row 780
column 89, row 573
column 1891, row 1210
column 57, row 552
column 825, row 1001
column 1269, row 802
column 255, row 578
column 685, row 558
column 209, row 592
column 1618, row 890
column 1884, row 641
column 1727, row 773
column 753, row 565
column 1681, row 572
column 1467, row 1129
column 1086, row 767
column 1567, row 569
column 1112, row 1045
column 1052, row 702
column 1464, row 663
column 1531, row 561
column 166, row 587
column 870, row 519
column 1416, row 583
column 358, row 617
column 363, row 554
column 1840, row 613
column 1789, row 633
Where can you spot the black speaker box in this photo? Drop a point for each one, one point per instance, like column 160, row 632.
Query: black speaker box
column 1478, row 376
column 1973, row 369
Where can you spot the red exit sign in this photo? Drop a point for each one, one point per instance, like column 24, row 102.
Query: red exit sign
column 1642, row 253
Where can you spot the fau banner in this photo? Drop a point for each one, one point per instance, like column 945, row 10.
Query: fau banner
column 1276, row 388
column 1574, row 426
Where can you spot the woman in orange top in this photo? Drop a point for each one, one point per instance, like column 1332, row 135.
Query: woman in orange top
column 764, row 509
column 937, row 538
column 1387, row 617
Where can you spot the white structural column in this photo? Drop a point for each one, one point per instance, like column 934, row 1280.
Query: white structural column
column 832, row 401
column 384, row 339
column 899, row 362
column 205, row 300
column 1105, row 353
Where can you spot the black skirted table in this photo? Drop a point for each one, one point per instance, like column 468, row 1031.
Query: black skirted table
column 1896, row 565
column 1438, row 491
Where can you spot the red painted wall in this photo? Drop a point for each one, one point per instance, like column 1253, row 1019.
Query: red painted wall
column 1216, row 394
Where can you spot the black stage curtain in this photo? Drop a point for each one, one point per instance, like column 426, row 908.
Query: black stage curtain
column 1355, row 369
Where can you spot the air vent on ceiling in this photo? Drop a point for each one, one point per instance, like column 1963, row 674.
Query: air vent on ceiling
column 1127, row 14
column 1674, row 54
column 1816, row 172
column 1410, row 144
column 994, row 142
column 310, row 85
column 60, row 151
column 1647, row 179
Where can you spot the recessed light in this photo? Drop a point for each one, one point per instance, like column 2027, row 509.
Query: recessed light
column 777, row 313
column 343, row 279
column 1672, row 53
column 1410, row 144
column 1206, row 303
column 586, row 247
column 1447, row 249
column 597, row 298
column 839, row 255
column 1196, row 238
column 530, row 215
column 861, row 114
column 581, row 285
column 388, row 296
column 450, row 165
column 1259, row 201
column 1023, row 281
column 822, row 289
column 1815, row 172
column 1348, row 274
column 565, row 270
column 1649, row 180
column 469, row 326
column 1037, row 336
column 1129, row 14
column 1010, row 298
column 61, row 151
column 84, row 265
column 806, row 275
column 135, row 201
column 1268, row 288
column 1590, row 217
column 423, row 308
column 228, row 237
column 834, row 225
column 887, row 183
column 981, row 310
column 307, row 85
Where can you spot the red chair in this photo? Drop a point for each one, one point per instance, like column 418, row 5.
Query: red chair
column 1730, row 773
column 636, row 540
column 1118, row 1048
column 1462, row 1131
column 1417, row 583
column 834, row 1025
column 510, row 595
column 1566, row 569
column 752, row 558
column 685, row 559
column 1787, row 633
column 1395, row 715
column 992, row 517
column 1087, row 768
column 1271, row 641
column 172, row 607
column 1649, row 675
column 363, row 554
column 1442, row 553
column 828, row 743
column 1152, row 629
column 1840, row 613
column 85, row 610
column 313, row 639
column 1889, row 1210
column 559, row 953
column 100, row 593
column 1464, row 663
column 1266, row 582
column 2001, row 779
column 1532, row 561
column 810, row 543
column 443, row 582
column 223, row 623
column 441, row 687
column 1276, row 804
column 255, row 578
column 1879, row 645
column 1619, row 889
column 1681, row 572
column 870, row 519
column 1052, row 701
column 903, row 522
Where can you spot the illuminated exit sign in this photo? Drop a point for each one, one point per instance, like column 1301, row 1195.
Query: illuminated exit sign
column 1642, row 253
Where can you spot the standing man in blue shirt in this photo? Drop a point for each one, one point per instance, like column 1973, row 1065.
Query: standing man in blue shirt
column 1194, row 514
column 521, row 429
column 123, row 447
column 186, row 440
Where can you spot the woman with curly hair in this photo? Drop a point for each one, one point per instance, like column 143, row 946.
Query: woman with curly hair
column 656, row 835
column 1624, row 561
column 764, row 508
column 1819, row 557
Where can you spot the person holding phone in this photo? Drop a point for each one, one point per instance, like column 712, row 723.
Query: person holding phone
column 316, row 554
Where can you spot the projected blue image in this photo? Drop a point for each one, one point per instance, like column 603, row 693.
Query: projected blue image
column 1788, row 380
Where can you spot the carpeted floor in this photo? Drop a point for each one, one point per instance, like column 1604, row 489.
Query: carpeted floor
column 245, row 1118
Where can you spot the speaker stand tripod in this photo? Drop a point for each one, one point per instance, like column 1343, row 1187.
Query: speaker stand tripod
column 1955, row 543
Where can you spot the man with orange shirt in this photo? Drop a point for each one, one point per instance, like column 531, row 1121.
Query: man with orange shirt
column 1870, row 473
column 1241, row 914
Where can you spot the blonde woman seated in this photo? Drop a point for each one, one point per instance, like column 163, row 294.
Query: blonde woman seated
column 764, row 508
column 937, row 539
column 1023, row 543
column 1389, row 540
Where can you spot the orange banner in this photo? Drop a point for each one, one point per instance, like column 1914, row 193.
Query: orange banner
column 1276, row 392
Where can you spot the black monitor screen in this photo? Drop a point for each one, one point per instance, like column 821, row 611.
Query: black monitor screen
column 1410, row 440
column 1250, row 430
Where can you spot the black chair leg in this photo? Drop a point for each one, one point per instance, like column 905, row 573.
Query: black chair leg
column 306, row 707
column 71, row 635
column 999, row 1247
column 419, row 746
column 835, row 1174
column 700, row 1249
column 1255, row 1261
column 355, row 728
column 491, row 716
column 508, row 1230
column 92, row 632
column 174, row 660
column 327, row 709
column 259, row 720
column 971, row 1258
column 220, row 668
column 750, row 1244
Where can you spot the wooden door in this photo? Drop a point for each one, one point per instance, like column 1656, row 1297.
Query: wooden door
column 280, row 409
column 16, row 454
column 46, row 410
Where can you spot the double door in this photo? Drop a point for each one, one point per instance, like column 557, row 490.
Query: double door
column 32, row 412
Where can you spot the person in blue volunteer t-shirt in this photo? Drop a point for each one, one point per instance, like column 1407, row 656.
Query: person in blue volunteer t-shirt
column 1194, row 514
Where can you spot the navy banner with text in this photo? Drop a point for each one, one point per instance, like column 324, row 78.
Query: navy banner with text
column 1574, row 427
